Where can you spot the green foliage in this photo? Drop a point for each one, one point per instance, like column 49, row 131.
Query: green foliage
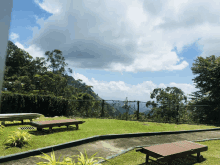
column 89, row 129
column 208, row 82
column 125, row 106
column 26, row 75
column 84, row 107
column 57, row 61
column 167, row 98
column 18, row 139
column 68, row 161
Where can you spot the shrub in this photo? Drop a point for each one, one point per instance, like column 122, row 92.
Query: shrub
column 68, row 161
column 18, row 139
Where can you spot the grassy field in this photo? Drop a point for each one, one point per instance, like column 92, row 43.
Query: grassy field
column 93, row 127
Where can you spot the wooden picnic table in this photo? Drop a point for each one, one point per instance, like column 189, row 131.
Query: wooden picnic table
column 170, row 151
column 55, row 123
column 18, row 117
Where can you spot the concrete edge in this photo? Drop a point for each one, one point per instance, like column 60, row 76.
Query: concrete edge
column 132, row 148
column 88, row 140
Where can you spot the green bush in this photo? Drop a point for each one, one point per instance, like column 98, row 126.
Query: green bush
column 68, row 161
column 18, row 139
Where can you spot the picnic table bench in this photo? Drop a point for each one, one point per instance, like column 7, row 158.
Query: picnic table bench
column 18, row 117
column 170, row 151
column 55, row 123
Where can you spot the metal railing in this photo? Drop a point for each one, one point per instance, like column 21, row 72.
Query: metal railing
column 133, row 112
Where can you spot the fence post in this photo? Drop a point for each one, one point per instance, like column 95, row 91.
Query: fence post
column 102, row 113
column 138, row 110
column 177, row 119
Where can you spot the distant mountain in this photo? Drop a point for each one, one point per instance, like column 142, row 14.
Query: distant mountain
column 78, row 84
column 133, row 107
column 117, row 106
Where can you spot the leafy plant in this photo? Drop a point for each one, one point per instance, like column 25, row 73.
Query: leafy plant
column 68, row 161
column 1, row 128
column 18, row 139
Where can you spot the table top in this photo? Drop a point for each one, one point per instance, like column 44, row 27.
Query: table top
column 168, row 149
column 18, row 117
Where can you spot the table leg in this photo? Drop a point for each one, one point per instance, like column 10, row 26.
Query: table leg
column 169, row 162
column 39, row 129
column 3, row 123
column 67, row 126
column 30, row 120
column 147, row 158
column 50, row 128
column 198, row 155
column 22, row 122
column 77, row 127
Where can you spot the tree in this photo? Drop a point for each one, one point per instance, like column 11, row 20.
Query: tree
column 38, row 65
column 16, row 59
column 23, row 74
column 125, row 106
column 84, row 104
column 208, row 81
column 44, row 82
column 166, row 98
column 57, row 62
column 26, row 83
column 17, row 66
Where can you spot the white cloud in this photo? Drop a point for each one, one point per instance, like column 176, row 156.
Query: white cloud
column 116, row 90
column 14, row 36
column 19, row 45
column 135, row 14
column 113, row 36
column 33, row 51
column 126, row 36
column 51, row 6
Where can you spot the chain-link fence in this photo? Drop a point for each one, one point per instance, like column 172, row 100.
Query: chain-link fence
column 180, row 114
column 137, row 110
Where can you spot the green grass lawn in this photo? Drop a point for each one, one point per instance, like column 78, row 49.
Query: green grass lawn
column 93, row 127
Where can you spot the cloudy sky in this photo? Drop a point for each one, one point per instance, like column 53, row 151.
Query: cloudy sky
column 123, row 48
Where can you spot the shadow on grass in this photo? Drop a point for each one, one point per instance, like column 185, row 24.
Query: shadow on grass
column 7, row 146
column 54, row 130
column 188, row 160
column 44, row 131
column 16, row 124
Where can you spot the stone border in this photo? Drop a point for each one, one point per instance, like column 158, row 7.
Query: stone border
column 92, row 139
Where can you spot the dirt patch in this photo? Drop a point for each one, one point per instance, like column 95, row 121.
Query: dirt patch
column 107, row 148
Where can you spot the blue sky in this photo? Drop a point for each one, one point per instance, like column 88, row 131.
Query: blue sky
column 123, row 48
